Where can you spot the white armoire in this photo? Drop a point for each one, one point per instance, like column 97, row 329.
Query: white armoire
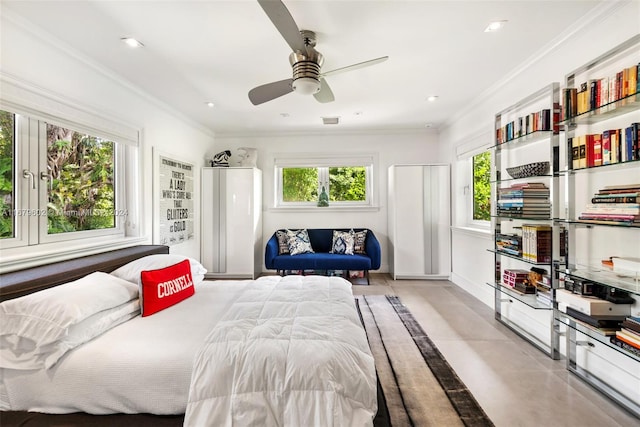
column 419, row 215
column 231, row 222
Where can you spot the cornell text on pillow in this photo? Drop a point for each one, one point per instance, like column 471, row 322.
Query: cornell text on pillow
column 165, row 287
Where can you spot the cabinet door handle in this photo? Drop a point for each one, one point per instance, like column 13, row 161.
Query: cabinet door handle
column 26, row 173
column 46, row 177
column 585, row 343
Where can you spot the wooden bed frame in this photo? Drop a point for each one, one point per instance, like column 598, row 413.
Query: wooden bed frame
column 23, row 282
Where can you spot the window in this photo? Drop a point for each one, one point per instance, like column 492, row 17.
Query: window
column 346, row 182
column 7, row 150
column 57, row 182
column 80, row 194
column 481, row 186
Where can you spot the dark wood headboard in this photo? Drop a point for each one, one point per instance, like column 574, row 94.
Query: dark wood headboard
column 22, row 282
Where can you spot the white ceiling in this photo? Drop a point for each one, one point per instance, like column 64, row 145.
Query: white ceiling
column 198, row 51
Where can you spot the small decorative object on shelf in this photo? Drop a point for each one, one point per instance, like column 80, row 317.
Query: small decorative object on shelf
column 221, row 160
column 323, row 199
column 528, row 170
column 248, row 156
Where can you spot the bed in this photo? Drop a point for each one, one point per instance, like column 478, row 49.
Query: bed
column 274, row 351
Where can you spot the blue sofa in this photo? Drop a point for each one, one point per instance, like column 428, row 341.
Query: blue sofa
column 321, row 240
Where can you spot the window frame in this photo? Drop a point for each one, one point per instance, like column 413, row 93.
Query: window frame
column 30, row 222
column 323, row 162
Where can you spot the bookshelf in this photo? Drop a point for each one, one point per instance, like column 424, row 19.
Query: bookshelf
column 595, row 166
column 524, row 199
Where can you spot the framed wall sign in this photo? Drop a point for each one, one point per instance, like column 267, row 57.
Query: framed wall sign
column 173, row 199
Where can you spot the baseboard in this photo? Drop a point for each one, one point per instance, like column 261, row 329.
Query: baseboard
column 481, row 291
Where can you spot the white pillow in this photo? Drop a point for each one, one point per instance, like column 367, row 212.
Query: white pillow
column 22, row 353
column 131, row 271
column 45, row 317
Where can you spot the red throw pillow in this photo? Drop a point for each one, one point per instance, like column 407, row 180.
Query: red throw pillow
column 165, row 287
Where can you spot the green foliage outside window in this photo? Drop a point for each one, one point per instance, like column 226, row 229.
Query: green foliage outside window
column 347, row 184
column 81, row 167
column 7, row 128
column 299, row 184
column 482, row 186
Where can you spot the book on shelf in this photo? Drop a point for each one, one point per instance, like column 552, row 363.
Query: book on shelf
column 596, row 321
column 631, row 349
column 616, row 199
column 619, row 187
column 536, row 242
column 610, row 216
column 613, row 208
column 626, row 264
column 632, row 323
column 625, row 337
column 630, row 143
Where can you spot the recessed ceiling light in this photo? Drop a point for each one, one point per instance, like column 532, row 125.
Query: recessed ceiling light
column 210, row 104
column 432, row 98
column 494, row 26
column 131, row 42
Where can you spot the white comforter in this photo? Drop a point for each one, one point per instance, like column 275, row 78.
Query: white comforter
column 289, row 352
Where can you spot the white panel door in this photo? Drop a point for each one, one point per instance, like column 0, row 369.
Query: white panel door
column 409, row 243
column 239, row 218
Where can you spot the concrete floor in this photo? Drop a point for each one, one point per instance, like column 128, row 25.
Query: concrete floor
column 515, row 383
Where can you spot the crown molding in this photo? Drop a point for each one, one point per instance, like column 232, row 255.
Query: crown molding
column 595, row 15
column 57, row 44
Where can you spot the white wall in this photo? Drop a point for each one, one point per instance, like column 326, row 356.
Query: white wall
column 612, row 24
column 390, row 148
column 33, row 60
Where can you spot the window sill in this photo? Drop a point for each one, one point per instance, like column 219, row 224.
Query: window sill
column 325, row 209
column 31, row 256
column 473, row 231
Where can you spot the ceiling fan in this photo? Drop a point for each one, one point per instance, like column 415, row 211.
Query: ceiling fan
column 305, row 60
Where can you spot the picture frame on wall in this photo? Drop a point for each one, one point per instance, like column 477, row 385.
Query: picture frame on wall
column 173, row 199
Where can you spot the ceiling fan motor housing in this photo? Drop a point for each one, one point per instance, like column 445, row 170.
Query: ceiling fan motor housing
column 306, row 71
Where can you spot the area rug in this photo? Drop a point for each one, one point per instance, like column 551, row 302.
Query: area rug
column 418, row 386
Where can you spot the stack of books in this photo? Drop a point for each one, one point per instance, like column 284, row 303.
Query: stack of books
column 628, row 337
column 517, row 279
column 509, row 243
column 536, row 243
column 614, row 204
column 526, row 200
column 543, row 293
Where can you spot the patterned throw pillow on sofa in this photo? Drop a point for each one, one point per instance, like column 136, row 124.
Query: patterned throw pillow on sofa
column 342, row 242
column 283, row 242
column 359, row 238
column 299, row 242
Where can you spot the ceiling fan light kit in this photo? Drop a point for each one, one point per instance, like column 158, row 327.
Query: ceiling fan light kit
column 305, row 61
column 306, row 67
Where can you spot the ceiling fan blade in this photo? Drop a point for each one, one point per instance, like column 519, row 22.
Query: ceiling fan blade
column 355, row 66
column 284, row 23
column 269, row 91
column 325, row 94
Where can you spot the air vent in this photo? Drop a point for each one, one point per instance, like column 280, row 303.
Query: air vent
column 330, row 120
